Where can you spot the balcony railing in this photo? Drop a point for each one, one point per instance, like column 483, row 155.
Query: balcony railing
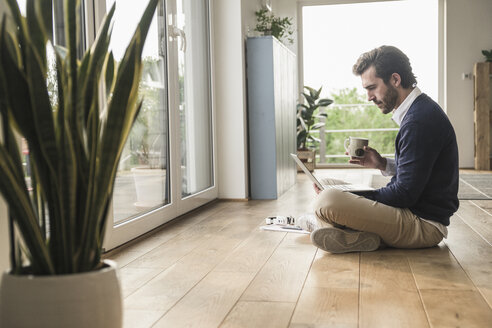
column 334, row 133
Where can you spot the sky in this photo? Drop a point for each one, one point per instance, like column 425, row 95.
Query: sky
column 126, row 17
column 334, row 36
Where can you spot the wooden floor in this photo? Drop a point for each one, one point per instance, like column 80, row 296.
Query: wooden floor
column 216, row 268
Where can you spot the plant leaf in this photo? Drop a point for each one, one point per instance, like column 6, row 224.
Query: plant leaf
column 36, row 32
column 324, row 102
column 15, row 193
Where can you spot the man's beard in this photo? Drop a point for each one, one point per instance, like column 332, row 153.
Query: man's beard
column 389, row 99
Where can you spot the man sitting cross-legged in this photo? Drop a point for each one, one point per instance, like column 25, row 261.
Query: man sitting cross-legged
column 413, row 210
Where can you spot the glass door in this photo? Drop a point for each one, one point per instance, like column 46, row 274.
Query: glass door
column 190, row 76
column 167, row 165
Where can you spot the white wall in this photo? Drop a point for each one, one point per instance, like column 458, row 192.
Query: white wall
column 4, row 242
column 468, row 29
column 230, row 99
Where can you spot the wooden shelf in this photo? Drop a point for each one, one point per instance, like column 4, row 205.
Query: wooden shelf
column 482, row 117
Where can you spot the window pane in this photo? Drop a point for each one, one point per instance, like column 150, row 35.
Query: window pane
column 194, row 101
column 329, row 64
column 142, row 179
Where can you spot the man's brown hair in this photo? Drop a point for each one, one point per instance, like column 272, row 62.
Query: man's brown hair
column 386, row 61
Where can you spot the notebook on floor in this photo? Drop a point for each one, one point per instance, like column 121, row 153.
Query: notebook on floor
column 330, row 183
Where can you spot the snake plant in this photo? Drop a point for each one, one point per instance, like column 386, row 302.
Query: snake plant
column 57, row 221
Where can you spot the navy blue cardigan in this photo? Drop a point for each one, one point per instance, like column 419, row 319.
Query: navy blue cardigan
column 426, row 158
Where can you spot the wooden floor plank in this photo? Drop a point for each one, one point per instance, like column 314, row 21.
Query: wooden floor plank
column 164, row 255
column 169, row 253
column 474, row 255
column 449, row 296
column 334, row 270
column 330, row 297
column 283, row 276
column 168, row 231
column 259, row 314
column 436, row 268
column 124, row 257
column 456, row 308
column 140, row 318
column 486, row 205
column 388, row 294
column 478, row 218
column 167, row 288
column 327, row 307
column 253, row 253
column 132, row 279
column 209, row 302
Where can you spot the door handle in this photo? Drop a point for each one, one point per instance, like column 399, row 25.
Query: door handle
column 176, row 33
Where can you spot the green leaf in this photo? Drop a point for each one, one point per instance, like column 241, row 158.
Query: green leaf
column 309, row 99
column 324, row 102
column 312, row 92
column 96, row 61
column 35, row 26
column 16, row 15
column 41, row 112
column 15, row 193
column 44, row 10
column 110, row 70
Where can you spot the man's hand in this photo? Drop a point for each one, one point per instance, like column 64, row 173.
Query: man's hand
column 372, row 159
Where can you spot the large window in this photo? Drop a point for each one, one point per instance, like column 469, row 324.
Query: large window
column 333, row 38
column 167, row 165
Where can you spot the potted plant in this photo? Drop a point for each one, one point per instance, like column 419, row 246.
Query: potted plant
column 75, row 140
column 279, row 27
column 488, row 58
column 307, row 113
column 488, row 55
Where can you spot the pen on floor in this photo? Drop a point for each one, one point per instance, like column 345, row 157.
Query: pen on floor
column 292, row 228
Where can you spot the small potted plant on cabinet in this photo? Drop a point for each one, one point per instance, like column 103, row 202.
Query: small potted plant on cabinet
column 307, row 113
column 57, row 220
column 488, row 58
column 279, row 27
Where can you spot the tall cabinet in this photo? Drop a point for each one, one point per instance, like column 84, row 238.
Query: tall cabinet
column 272, row 97
column 482, row 73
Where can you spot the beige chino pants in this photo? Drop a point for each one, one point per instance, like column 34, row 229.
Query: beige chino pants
column 397, row 227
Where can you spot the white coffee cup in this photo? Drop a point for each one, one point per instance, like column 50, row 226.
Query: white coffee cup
column 355, row 146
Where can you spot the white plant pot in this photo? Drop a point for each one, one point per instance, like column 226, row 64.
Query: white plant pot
column 149, row 186
column 91, row 299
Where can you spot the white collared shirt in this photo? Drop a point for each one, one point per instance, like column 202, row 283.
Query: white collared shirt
column 398, row 115
column 400, row 112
